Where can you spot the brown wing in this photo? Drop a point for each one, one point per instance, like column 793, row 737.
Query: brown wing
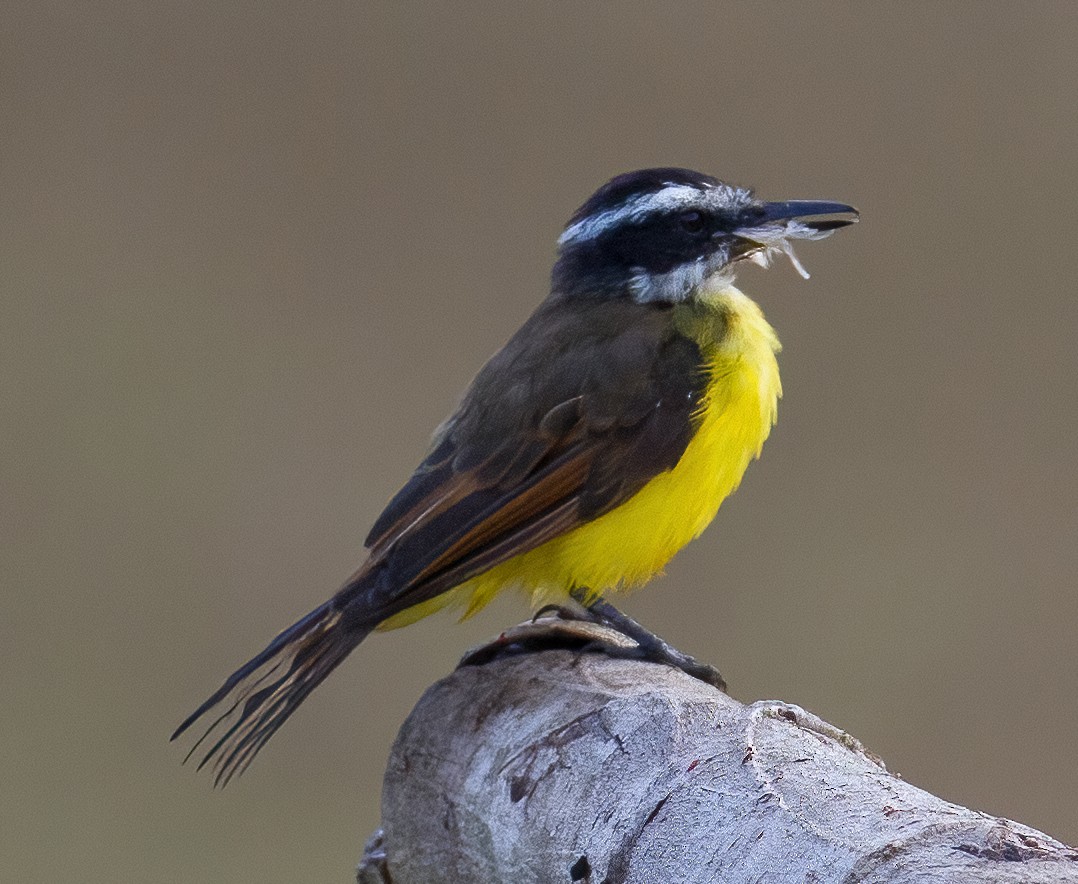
column 573, row 416
column 579, row 410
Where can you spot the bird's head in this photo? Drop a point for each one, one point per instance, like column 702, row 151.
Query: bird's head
column 665, row 235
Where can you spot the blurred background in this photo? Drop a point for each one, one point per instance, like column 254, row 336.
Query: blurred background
column 250, row 255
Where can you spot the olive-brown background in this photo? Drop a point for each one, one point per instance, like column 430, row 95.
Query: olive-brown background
column 250, row 255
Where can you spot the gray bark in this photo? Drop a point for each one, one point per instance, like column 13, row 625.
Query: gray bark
column 562, row 766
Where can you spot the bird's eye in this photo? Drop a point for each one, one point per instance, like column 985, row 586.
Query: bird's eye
column 691, row 222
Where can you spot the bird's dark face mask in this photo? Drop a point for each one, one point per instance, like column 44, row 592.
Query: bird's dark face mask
column 667, row 235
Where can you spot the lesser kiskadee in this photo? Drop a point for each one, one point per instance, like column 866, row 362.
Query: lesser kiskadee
column 592, row 447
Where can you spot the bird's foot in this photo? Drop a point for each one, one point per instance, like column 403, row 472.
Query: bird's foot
column 646, row 644
column 591, row 626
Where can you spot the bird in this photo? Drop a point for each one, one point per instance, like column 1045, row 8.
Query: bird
column 593, row 446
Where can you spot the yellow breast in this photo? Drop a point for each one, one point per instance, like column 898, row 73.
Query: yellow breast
column 633, row 542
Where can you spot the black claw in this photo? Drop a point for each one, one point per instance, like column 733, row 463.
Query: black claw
column 649, row 646
column 675, row 659
column 562, row 612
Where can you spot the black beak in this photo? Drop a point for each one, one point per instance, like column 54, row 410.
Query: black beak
column 764, row 226
column 807, row 212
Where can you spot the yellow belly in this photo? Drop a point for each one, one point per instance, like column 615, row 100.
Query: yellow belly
column 632, row 543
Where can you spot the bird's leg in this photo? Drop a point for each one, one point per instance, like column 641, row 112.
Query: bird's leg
column 648, row 645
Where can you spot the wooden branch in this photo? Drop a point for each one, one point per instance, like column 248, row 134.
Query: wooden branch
column 566, row 766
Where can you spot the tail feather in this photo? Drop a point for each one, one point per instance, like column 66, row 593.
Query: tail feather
column 307, row 651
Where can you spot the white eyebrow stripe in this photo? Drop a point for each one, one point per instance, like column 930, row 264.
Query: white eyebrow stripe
column 671, row 198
